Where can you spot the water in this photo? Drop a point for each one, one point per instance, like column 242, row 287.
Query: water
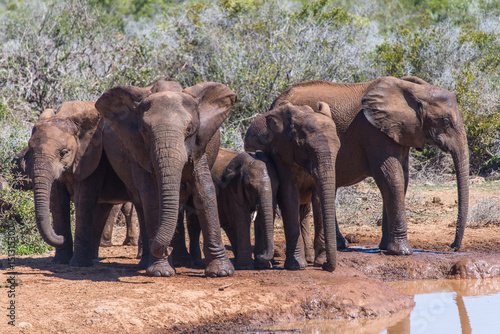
column 441, row 306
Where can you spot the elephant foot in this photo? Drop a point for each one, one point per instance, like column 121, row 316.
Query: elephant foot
column 132, row 241
column 182, row 259
column 295, row 263
column 245, row 265
column 198, row 262
column 342, row 243
column 309, row 255
column 329, row 266
column 262, row 264
column 455, row 247
column 399, row 248
column 160, row 267
column 62, row 256
column 384, row 244
column 320, row 260
column 106, row 243
column 143, row 263
column 219, row 268
column 80, row 261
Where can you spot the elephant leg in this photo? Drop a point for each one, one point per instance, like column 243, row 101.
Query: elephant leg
column 391, row 181
column 131, row 221
column 107, row 232
column 384, row 241
column 180, row 254
column 305, row 213
column 143, row 252
column 104, row 211
column 60, row 209
column 204, row 196
column 86, row 215
column 244, row 247
column 194, row 232
column 288, row 201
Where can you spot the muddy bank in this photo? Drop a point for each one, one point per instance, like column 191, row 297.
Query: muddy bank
column 114, row 297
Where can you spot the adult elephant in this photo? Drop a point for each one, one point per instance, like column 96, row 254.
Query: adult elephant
column 166, row 130
column 68, row 163
column 303, row 145
column 377, row 123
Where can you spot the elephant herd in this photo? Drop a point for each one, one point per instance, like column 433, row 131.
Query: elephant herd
column 159, row 148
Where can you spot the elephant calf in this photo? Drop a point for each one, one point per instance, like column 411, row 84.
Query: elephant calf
column 247, row 182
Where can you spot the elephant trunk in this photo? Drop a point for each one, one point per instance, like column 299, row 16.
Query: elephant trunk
column 267, row 215
column 325, row 181
column 43, row 181
column 461, row 162
column 168, row 164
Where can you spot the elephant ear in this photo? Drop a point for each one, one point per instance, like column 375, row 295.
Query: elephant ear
column 46, row 114
column 215, row 102
column 394, row 106
column 118, row 106
column 415, row 80
column 89, row 124
column 324, row 109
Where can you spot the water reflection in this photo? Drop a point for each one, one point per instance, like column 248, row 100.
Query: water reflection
column 450, row 306
column 441, row 306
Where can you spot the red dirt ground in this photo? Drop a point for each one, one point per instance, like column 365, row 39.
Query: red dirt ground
column 114, row 297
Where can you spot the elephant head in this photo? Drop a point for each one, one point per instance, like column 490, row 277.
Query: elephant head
column 63, row 146
column 298, row 138
column 414, row 113
column 165, row 128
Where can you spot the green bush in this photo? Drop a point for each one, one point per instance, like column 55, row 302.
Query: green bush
column 21, row 217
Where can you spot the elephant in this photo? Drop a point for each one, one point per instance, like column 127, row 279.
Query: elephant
column 303, row 145
column 130, row 215
column 68, row 164
column 165, row 130
column 244, row 183
column 247, row 182
column 377, row 123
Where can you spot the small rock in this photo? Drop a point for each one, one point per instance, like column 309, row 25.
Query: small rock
column 379, row 222
column 352, row 238
column 436, row 200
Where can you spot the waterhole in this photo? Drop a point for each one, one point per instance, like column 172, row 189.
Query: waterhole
column 441, row 306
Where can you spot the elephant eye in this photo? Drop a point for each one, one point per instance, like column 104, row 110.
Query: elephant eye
column 189, row 130
column 446, row 122
column 63, row 152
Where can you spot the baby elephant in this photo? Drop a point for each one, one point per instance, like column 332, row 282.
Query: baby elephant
column 247, row 182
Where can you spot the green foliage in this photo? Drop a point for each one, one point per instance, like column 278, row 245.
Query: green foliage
column 324, row 10
column 482, row 126
column 21, row 217
column 236, row 7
